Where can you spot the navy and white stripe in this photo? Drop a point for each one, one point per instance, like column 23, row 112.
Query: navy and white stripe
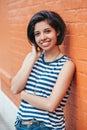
column 43, row 78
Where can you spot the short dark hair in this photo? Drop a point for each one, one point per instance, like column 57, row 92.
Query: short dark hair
column 53, row 19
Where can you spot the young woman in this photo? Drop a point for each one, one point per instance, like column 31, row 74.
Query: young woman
column 45, row 77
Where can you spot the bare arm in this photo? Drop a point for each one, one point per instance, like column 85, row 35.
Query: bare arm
column 19, row 80
column 58, row 92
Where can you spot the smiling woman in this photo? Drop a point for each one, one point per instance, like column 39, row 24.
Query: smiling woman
column 45, row 77
column 45, row 35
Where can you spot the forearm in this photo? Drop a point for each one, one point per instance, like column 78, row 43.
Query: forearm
column 19, row 81
column 37, row 101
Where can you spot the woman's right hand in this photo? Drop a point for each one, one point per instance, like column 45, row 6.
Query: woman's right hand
column 36, row 52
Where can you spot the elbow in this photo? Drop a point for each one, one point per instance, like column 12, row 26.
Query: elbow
column 13, row 88
column 51, row 107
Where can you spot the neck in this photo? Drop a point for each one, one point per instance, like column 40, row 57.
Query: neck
column 52, row 55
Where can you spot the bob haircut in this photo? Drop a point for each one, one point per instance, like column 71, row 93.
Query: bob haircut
column 53, row 19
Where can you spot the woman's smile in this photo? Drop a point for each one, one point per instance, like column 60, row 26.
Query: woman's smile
column 45, row 43
column 45, row 35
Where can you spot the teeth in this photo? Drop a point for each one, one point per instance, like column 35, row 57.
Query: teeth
column 44, row 42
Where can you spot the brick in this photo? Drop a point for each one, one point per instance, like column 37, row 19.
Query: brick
column 77, row 29
column 74, row 102
column 76, row 16
column 81, row 122
column 35, row 2
column 81, row 92
column 80, row 80
column 81, row 66
column 78, row 53
column 71, row 4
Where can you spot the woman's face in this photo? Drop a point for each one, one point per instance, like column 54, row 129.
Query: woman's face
column 45, row 35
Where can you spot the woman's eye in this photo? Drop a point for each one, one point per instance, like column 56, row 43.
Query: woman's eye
column 37, row 34
column 47, row 31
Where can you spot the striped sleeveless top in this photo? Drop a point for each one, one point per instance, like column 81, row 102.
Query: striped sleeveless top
column 42, row 78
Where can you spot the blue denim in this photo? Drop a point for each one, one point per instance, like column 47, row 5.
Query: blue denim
column 38, row 125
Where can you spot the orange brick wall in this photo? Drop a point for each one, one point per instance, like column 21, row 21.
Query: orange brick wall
column 14, row 17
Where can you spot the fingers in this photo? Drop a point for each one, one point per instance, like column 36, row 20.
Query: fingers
column 37, row 48
column 36, row 51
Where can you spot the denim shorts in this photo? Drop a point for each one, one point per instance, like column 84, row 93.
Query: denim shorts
column 37, row 125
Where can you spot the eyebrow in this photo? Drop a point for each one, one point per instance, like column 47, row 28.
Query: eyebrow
column 44, row 29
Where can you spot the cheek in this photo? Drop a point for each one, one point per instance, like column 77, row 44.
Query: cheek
column 54, row 38
column 36, row 39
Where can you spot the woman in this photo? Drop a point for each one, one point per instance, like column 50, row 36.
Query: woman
column 44, row 79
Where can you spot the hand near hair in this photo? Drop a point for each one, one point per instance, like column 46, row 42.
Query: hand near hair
column 36, row 52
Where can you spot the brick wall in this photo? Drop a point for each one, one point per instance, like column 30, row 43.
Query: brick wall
column 15, row 15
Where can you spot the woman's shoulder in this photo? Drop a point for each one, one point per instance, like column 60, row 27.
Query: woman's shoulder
column 69, row 64
column 65, row 58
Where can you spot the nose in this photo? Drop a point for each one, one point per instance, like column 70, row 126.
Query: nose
column 43, row 36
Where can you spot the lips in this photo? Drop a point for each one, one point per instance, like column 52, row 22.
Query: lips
column 46, row 43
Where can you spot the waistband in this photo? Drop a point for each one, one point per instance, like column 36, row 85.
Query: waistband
column 30, row 124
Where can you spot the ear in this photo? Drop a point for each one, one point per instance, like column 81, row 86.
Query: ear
column 58, row 33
